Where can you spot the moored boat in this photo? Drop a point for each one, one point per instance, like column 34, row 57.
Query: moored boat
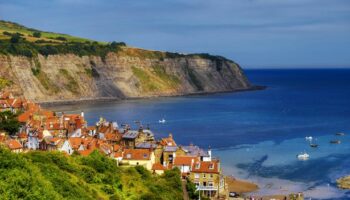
column 335, row 141
column 340, row 134
column 314, row 145
column 303, row 156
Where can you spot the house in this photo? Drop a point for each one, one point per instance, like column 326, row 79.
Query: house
column 193, row 150
column 169, row 141
column 143, row 157
column 207, row 177
column 14, row 146
column 129, row 139
column 66, row 147
column 185, row 163
column 158, row 168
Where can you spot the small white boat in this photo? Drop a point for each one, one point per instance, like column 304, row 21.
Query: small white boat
column 162, row 121
column 308, row 138
column 303, row 156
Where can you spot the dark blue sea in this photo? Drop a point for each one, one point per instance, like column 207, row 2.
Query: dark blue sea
column 257, row 134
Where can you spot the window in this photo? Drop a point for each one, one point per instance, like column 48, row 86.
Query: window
column 204, row 175
column 197, row 165
column 211, row 175
column 211, row 166
column 196, row 175
column 196, row 183
column 145, row 155
column 211, row 184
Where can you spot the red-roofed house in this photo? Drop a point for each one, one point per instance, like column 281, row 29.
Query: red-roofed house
column 207, row 177
column 143, row 157
column 14, row 146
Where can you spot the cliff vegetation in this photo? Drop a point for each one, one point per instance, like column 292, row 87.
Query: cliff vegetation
column 53, row 175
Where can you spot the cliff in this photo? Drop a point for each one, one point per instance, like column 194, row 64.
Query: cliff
column 129, row 73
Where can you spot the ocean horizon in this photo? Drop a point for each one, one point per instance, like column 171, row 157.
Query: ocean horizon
column 257, row 134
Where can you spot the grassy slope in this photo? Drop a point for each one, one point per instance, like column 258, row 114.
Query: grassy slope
column 53, row 175
column 28, row 32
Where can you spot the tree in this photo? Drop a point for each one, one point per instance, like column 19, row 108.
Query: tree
column 9, row 122
column 15, row 38
column 37, row 34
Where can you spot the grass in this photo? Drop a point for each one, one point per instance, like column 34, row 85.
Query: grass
column 54, row 175
column 4, row 83
column 155, row 79
column 71, row 84
column 28, row 33
column 46, row 82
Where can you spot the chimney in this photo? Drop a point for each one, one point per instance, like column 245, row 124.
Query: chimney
column 209, row 153
column 192, row 162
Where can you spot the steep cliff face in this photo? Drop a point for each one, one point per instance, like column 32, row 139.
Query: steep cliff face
column 118, row 75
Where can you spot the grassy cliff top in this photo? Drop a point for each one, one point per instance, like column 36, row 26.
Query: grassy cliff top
column 16, row 39
column 28, row 33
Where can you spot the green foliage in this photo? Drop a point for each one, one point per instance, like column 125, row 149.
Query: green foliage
column 4, row 83
column 9, row 122
column 72, row 84
column 54, row 175
column 168, row 78
column 37, row 34
column 191, row 189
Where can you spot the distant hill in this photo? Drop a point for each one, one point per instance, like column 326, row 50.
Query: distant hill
column 53, row 175
column 52, row 67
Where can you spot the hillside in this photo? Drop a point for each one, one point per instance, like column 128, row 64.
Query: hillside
column 53, row 175
column 48, row 67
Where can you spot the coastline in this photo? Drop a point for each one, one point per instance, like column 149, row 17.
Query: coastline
column 113, row 99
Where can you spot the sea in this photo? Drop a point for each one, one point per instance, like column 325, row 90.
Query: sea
column 258, row 134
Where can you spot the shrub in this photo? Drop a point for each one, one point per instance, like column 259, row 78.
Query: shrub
column 37, row 34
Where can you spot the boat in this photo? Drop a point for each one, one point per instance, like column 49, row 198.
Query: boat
column 303, row 156
column 335, row 141
column 162, row 121
column 340, row 134
column 308, row 138
column 314, row 145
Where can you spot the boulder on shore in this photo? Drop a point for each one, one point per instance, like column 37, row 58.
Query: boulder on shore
column 344, row 183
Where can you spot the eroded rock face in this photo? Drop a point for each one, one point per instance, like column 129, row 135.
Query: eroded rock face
column 70, row 77
column 344, row 183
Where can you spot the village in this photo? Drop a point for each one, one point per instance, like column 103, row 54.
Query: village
column 45, row 130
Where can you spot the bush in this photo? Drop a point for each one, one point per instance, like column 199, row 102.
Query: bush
column 9, row 122
column 37, row 34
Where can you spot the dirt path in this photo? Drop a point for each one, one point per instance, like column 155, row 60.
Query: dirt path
column 184, row 190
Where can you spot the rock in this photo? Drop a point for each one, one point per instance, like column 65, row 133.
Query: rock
column 119, row 75
column 344, row 183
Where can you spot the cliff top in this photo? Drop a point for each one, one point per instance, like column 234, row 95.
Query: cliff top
column 16, row 39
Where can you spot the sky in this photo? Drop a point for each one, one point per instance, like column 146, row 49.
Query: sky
column 253, row 33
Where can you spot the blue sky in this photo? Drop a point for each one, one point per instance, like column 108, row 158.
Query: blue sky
column 254, row 33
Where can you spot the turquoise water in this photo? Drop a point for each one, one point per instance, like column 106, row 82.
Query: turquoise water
column 258, row 134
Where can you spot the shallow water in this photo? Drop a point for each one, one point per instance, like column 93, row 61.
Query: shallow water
column 258, row 134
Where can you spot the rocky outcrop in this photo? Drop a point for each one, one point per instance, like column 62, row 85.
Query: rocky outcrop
column 344, row 183
column 118, row 76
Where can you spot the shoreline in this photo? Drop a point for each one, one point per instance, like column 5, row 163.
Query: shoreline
column 115, row 99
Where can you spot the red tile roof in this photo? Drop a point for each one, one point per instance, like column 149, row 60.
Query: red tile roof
column 206, row 167
column 158, row 166
column 137, row 154
column 13, row 144
column 185, row 160
column 169, row 141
